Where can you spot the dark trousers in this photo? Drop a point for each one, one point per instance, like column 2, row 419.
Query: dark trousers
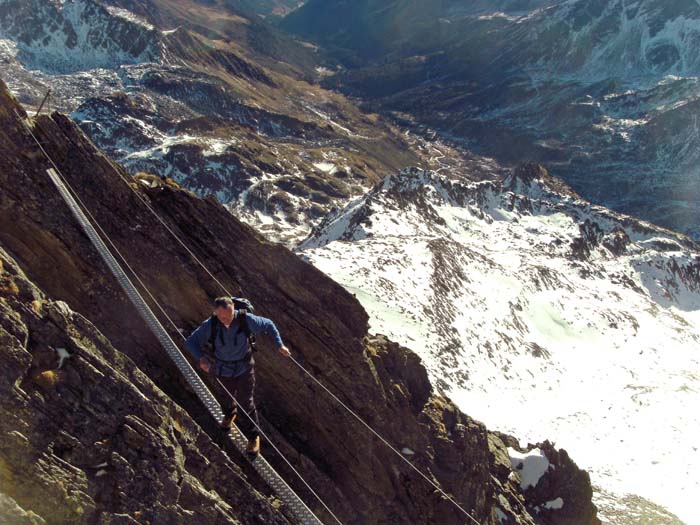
column 242, row 388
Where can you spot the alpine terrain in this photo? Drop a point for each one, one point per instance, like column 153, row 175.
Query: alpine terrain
column 98, row 426
column 534, row 309
column 604, row 92
column 204, row 93
column 358, row 171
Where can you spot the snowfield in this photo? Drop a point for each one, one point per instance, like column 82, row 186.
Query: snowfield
column 541, row 315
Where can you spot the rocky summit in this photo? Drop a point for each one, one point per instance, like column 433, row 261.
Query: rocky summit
column 98, row 427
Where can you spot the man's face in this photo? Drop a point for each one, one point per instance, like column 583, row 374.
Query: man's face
column 224, row 314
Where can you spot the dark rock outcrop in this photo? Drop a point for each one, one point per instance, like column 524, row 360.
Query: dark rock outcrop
column 356, row 474
column 571, row 484
column 88, row 438
column 527, row 173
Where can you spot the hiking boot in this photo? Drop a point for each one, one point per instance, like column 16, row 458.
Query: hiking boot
column 228, row 422
column 253, row 446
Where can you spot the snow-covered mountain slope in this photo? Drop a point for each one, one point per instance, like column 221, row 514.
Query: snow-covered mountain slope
column 76, row 35
column 540, row 313
column 605, row 39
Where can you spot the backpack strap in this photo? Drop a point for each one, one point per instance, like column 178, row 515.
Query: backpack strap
column 214, row 331
column 252, row 347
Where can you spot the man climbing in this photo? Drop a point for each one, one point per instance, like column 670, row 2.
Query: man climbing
column 229, row 330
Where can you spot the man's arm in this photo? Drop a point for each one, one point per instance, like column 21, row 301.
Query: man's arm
column 199, row 337
column 263, row 325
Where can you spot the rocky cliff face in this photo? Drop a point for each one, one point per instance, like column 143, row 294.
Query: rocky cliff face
column 113, row 354
column 65, row 37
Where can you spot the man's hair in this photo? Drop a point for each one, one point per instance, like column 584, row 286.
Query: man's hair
column 223, row 302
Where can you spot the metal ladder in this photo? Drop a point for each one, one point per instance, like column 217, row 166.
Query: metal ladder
column 263, row 468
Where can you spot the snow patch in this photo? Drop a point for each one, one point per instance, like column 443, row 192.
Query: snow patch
column 326, row 167
column 555, row 504
column 531, row 465
column 63, row 354
column 129, row 16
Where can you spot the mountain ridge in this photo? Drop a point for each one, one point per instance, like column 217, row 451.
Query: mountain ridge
column 535, row 309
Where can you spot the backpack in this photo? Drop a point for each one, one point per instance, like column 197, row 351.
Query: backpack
column 243, row 306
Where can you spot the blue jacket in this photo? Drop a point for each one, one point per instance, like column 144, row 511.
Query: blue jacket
column 231, row 344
